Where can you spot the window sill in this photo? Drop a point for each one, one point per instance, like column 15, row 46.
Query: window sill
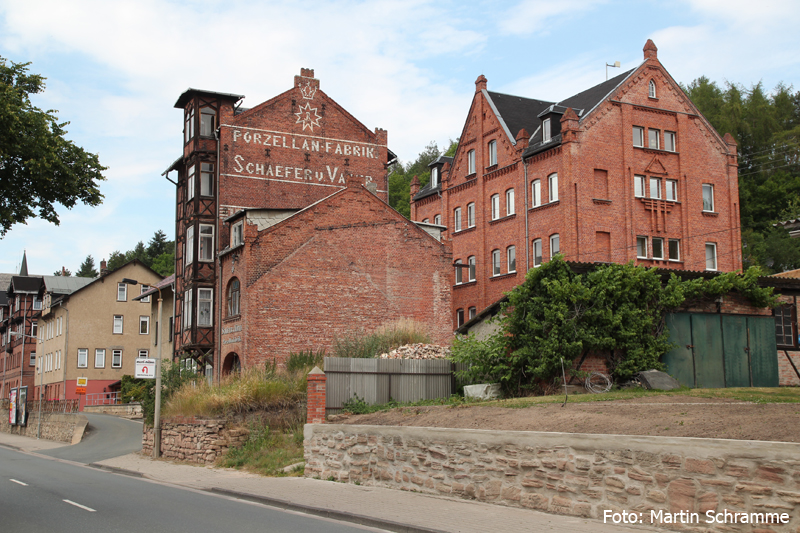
column 501, row 276
column 544, row 206
column 232, row 318
column 461, row 232
column 465, row 284
column 502, row 219
column 471, row 175
column 490, row 168
column 655, row 150
column 600, row 201
column 709, row 214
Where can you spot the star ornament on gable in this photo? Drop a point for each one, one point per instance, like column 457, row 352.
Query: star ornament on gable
column 305, row 116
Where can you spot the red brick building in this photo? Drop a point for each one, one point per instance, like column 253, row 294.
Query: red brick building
column 294, row 280
column 626, row 170
column 242, row 172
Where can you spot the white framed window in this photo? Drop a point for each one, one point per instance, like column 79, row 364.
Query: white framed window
column 472, row 312
column 122, row 292
column 100, row 358
column 671, row 192
column 37, row 304
column 510, row 202
column 460, row 317
column 117, row 324
column 546, row 130
column 83, row 357
column 204, row 306
column 536, row 193
column 144, row 325
column 653, row 137
column 144, row 289
column 457, row 219
column 60, row 322
column 495, row 206
column 669, row 141
column 116, row 358
column 189, row 245
column 34, row 328
column 32, row 361
column 233, row 297
column 537, row 252
column 651, row 89
column 208, row 119
column 471, row 215
column 434, row 177
column 205, row 251
column 638, row 136
column 58, row 359
column 655, row 187
column 552, row 186
column 555, row 245
column 143, row 354
column 188, row 130
column 708, row 197
column 638, row 186
column 711, row 256
column 471, row 263
column 471, row 162
column 206, row 179
column 495, row 262
column 492, row 153
column 511, row 255
column 459, row 275
column 437, row 220
column 187, row 309
column 658, row 248
column 190, row 182
column 674, row 250
column 641, row 247
column 237, row 233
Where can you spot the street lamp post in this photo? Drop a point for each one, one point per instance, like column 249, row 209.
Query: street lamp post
column 41, row 379
column 159, row 342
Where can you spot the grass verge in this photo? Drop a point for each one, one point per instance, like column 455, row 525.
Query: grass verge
column 268, row 452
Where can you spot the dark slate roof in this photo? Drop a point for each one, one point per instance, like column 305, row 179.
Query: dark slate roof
column 518, row 112
column 26, row 284
column 441, row 160
column 428, row 191
column 163, row 284
column 189, row 92
column 589, row 98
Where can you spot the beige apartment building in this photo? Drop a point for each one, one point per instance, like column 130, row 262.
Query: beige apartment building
column 96, row 332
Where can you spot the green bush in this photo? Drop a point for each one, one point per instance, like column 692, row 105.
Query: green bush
column 305, row 360
column 382, row 340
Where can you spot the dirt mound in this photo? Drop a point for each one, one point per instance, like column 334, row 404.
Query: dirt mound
column 418, row 351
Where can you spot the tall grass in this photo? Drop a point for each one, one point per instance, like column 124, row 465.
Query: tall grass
column 382, row 340
column 251, row 390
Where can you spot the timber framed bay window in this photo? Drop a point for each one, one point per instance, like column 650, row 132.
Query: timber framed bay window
column 204, row 306
column 708, row 197
column 552, row 186
column 188, row 128
column 189, row 246
column 206, row 243
column 208, row 121
column 187, row 309
column 190, row 179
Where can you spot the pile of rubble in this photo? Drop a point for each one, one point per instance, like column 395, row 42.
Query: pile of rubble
column 418, row 351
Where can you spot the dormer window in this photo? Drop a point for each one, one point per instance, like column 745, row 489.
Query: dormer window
column 237, row 234
column 208, row 120
column 652, row 89
column 546, row 130
column 434, row 177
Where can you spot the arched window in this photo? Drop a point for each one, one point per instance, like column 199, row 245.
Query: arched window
column 652, row 89
column 233, row 297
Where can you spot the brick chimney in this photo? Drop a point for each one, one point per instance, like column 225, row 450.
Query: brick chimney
column 414, row 186
column 650, row 50
column 63, row 271
column 523, row 137
column 103, row 267
column 480, row 83
column 570, row 126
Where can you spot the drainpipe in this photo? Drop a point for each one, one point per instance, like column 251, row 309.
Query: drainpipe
column 217, row 368
column 525, row 218
column 66, row 352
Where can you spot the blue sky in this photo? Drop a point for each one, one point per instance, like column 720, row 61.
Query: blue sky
column 115, row 69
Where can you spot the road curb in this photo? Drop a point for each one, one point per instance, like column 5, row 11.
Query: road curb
column 116, row 470
column 326, row 513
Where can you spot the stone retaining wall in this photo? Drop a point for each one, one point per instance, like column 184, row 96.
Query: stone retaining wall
column 574, row 474
column 195, row 440
column 60, row 427
column 123, row 410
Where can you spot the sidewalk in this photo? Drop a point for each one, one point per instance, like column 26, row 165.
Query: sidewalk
column 378, row 507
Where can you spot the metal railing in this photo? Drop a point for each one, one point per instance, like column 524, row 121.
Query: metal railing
column 48, row 406
column 102, row 398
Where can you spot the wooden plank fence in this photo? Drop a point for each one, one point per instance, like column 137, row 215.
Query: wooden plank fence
column 378, row 381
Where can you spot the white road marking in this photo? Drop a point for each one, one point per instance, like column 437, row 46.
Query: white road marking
column 19, row 483
column 81, row 506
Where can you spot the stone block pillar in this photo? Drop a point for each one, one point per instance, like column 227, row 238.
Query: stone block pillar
column 316, row 396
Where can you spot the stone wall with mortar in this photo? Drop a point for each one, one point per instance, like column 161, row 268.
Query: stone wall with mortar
column 194, row 440
column 574, row 474
column 59, row 427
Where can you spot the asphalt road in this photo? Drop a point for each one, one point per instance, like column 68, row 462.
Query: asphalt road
column 42, row 494
column 106, row 437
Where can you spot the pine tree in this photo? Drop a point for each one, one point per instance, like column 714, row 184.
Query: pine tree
column 87, row 269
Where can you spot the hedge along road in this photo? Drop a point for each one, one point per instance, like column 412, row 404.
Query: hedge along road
column 106, row 437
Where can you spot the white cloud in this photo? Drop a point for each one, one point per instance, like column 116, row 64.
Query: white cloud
column 536, row 16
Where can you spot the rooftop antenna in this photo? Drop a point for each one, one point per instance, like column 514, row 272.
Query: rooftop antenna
column 615, row 65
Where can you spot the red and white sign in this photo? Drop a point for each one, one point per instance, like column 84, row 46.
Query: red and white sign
column 145, row 368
